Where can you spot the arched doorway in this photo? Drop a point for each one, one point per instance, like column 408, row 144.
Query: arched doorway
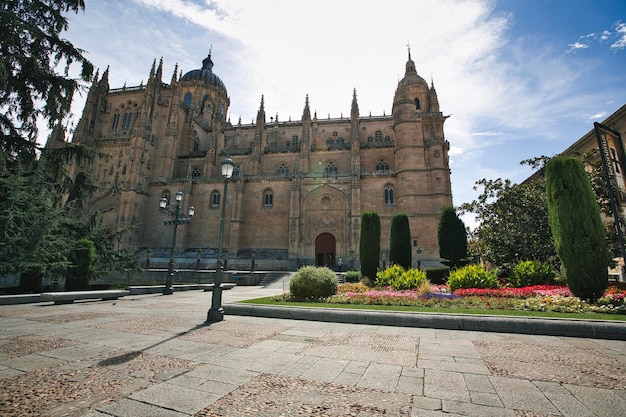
column 325, row 248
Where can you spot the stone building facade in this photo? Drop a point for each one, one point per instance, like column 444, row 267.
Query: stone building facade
column 299, row 187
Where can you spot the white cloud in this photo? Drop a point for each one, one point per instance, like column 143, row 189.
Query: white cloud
column 620, row 30
column 577, row 45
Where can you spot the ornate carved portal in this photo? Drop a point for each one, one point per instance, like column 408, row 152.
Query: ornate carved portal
column 325, row 212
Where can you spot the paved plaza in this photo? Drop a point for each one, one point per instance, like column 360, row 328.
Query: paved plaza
column 153, row 355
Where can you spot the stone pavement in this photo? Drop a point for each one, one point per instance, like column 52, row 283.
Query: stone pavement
column 153, row 355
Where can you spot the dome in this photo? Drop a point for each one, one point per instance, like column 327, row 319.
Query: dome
column 205, row 74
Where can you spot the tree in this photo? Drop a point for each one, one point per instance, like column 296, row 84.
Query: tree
column 452, row 236
column 513, row 222
column 577, row 228
column 31, row 49
column 400, row 241
column 369, row 244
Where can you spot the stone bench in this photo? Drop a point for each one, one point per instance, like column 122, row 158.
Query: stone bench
column 68, row 297
column 224, row 286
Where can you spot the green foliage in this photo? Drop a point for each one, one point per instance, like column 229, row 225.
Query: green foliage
column 400, row 241
column 81, row 271
column 452, row 236
column 472, row 276
column 437, row 275
column 527, row 273
column 30, row 50
column 513, row 222
column 313, row 283
column 400, row 279
column 369, row 244
column 577, row 227
column 353, row 276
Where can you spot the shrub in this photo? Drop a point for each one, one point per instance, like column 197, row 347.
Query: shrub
column 400, row 241
column 577, row 227
column 313, row 283
column 438, row 275
column 353, row 276
column 369, row 244
column 395, row 276
column 472, row 276
column 81, row 271
column 387, row 277
column 452, row 236
column 527, row 273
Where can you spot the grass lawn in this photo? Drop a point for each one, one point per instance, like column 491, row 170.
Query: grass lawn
column 449, row 310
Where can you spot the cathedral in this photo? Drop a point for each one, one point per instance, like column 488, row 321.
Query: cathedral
column 298, row 188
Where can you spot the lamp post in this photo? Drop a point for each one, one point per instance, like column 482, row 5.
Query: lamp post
column 178, row 218
column 216, row 312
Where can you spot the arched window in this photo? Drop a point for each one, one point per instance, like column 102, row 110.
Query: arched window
column 389, row 195
column 382, row 165
column 187, row 100
column 215, row 199
column 330, row 169
column 417, row 103
column 283, row 169
column 340, row 143
column 205, row 103
column 268, row 198
column 378, row 135
column 195, row 172
column 196, row 145
column 294, row 141
column 330, row 143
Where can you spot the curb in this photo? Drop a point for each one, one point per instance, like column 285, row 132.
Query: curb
column 594, row 329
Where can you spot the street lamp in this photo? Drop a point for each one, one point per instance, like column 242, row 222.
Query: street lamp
column 418, row 251
column 216, row 312
column 177, row 218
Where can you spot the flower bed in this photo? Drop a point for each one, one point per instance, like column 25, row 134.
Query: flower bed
column 531, row 298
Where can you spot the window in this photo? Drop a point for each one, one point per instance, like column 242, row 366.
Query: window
column 340, row 143
column 378, row 135
column 283, row 169
column 196, row 145
column 389, row 197
column 330, row 169
column 417, row 103
column 206, row 105
column 116, row 121
column 127, row 120
column 382, row 165
column 215, row 199
column 195, row 172
column 268, row 198
column 294, row 141
column 187, row 100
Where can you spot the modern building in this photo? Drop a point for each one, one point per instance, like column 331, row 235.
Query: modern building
column 299, row 187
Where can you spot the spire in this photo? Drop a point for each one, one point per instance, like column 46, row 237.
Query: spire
column 354, row 113
column 104, row 81
column 174, row 74
column 306, row 114
column 260, row 116
column 410, row 65
column 152, row 69
column 159, row 72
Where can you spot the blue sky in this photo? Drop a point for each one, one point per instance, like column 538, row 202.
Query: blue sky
column 518, row 78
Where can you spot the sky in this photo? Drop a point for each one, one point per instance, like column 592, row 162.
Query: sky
column 517, row 78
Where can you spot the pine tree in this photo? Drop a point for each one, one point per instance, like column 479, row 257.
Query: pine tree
column 452, row 236
column 369, row 244
column 577, row 228
column 400, row 241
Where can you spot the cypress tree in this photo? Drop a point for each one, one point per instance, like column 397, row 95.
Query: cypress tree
column 400, row 241
column 369, row 244
column 577, row 228
column 452, row 236
column 82, row 269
